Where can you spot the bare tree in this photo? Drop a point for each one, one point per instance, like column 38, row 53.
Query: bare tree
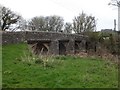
column 49, row 23
column 23, row 24
column 83, row 23
column 8, row 18
column 55, row 23
column 115, row 3
column 68, row 28
column 37, row 23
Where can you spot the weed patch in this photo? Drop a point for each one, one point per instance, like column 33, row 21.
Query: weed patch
column 24, row 70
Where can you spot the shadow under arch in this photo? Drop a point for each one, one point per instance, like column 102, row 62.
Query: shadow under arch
column 62, row 48
column 39, row 47
column 76, row 48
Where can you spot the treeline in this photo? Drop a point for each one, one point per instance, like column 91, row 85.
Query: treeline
column 81, row 24
column 104, row 42
column 12, row 21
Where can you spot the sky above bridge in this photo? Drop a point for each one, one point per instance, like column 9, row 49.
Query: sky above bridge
column 67, row 9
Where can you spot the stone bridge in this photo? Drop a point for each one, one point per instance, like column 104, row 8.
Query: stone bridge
column 48, row 42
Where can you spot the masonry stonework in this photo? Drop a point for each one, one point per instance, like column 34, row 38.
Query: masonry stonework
column 54, row 43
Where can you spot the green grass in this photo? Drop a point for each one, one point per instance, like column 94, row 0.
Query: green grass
column 73, row 72
column 0, row 66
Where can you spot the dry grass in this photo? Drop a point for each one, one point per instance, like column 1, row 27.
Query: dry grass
column 103, row 54
column 46, row 60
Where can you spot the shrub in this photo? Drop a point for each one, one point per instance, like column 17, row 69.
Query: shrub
column 44, row 60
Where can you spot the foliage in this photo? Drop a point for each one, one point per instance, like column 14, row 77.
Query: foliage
column 37, row 23
column 74, row 72
column 93, row 40
column 45, row 60
column 68, row 28
column 108, row 42
column 83, row 23
column 8, row 18
column 55, row 23
column 49, row 23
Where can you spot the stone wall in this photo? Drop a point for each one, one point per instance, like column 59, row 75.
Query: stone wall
column 12, row 37
column 58, row 43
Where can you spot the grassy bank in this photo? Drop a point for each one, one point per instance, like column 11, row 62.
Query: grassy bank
column 67, row 72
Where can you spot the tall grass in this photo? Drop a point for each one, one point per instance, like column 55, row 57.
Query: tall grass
column 44, row 60
column 25, row 70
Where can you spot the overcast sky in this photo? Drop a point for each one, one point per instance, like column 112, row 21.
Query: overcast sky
column 68, row 9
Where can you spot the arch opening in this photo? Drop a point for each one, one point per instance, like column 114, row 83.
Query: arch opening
column 62, row 48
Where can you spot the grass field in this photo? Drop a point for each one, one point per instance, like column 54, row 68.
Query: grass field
column 66, row 72
column 0, row 66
